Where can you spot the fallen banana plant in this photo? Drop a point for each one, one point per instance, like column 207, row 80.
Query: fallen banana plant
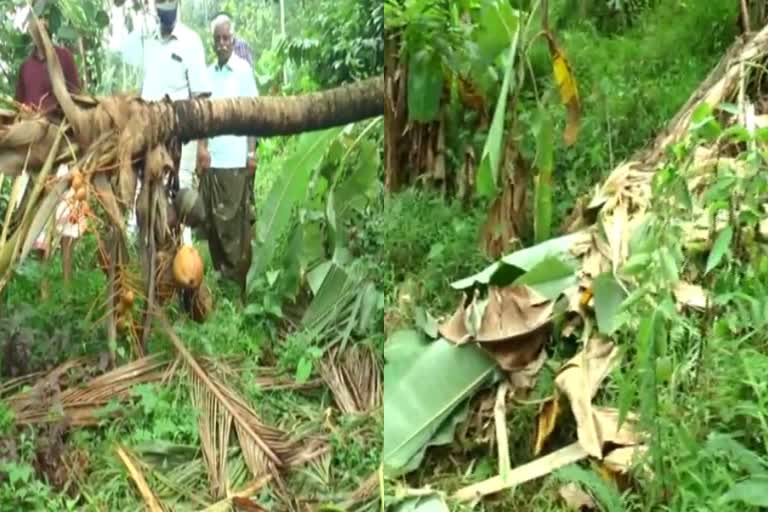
column 622, row 200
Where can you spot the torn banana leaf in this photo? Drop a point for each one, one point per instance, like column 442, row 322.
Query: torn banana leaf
column 550, row 277
column 423, row 387
column 344, row 303
column 429, row 503
column 442, row 437
column 512, row 266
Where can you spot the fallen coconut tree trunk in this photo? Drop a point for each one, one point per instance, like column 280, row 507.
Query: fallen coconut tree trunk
column 137, row 126
column 271, row 116
column 126, row 151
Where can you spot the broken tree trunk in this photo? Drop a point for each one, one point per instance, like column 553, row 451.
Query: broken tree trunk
column 620, row 202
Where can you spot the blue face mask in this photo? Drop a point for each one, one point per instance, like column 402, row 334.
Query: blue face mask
column 167, row 17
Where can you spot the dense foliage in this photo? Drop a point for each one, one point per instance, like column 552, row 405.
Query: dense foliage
column 690, row 374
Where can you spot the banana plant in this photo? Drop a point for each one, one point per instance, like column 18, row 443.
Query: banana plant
column 474, row 57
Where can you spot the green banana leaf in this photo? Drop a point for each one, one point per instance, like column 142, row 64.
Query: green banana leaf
column 286, row 194
column 512, row 266
column 430, row 503
column 424, row 384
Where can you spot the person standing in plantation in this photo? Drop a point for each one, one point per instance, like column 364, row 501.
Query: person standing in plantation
column 242, row 49
column 173, row 62
column 224, row 184
column 34, row 91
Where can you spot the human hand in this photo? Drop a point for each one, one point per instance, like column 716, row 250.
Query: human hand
column 203, row 159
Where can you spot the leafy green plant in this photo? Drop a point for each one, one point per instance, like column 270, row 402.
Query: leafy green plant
column 6, row 418
column 415, row 413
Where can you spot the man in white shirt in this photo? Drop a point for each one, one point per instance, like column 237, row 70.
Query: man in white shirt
column 224, row 184
column 172, row 58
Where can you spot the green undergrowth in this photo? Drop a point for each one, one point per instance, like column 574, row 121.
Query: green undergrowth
column 631, row 83
column 694, row 377
column 426, row 242
column 160, row 422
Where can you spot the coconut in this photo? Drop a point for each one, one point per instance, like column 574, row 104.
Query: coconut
column 76, row 178
column 202, row 304
column 77, row 181
column 188, row 267
column 128, row 297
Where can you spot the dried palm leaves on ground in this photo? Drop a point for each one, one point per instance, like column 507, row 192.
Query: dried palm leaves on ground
column 237, row 447
column 354, row 378
column 65, row 391
column 578, row 286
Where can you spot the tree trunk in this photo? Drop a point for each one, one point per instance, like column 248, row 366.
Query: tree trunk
column 622, row 201
column 395, row 116
column 271, row 116
column 139, row 125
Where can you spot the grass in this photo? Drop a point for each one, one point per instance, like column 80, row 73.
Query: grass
column 165, row 413
column 422, row 258
column 631, row 83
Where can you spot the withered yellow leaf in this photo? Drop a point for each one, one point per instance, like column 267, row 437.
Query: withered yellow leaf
column 569, row 94
column 564, row 78
column 550, row 411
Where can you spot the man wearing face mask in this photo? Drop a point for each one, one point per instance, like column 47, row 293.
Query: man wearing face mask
column 224, row 184
column 173, row 62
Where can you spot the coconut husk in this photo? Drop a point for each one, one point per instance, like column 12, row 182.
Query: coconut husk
column 202, row 304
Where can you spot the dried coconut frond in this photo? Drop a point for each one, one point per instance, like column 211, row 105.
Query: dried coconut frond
column 354, row 378
column 153, row 504
column 81, row 403
column 266, row 450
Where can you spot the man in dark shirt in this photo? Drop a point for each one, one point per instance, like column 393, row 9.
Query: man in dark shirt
column 35, row 91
